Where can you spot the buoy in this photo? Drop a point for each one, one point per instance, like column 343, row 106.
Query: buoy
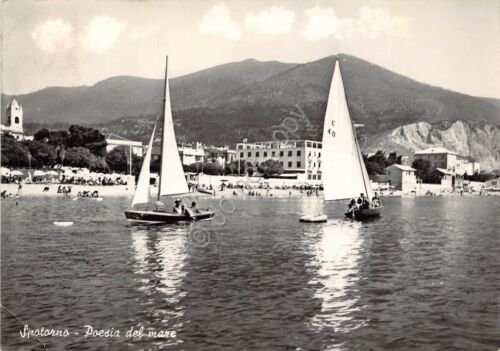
column 63, row 224
column 314, row 218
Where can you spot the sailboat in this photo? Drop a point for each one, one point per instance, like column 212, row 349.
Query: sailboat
column 171, row 177
column 344, row 171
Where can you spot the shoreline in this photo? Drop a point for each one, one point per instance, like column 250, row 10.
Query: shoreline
column 127, row 191
column 38, row 189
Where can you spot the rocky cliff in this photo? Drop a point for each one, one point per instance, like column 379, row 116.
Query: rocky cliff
column 478, row 140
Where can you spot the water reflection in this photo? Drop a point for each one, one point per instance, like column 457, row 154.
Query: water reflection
column 337, row 253
column 159, row 259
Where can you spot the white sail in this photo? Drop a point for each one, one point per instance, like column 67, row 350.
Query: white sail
column 343, row 170
column 141, row 195
column 172, row 180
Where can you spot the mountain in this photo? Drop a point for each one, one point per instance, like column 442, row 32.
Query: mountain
column 256, row 100
column 250, row 90
column 122, row 96
column 479, row 140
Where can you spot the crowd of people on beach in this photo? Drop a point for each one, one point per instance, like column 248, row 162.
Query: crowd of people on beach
column 92, row 181
column 11, row 179
column 61, row 190
column 87, row 193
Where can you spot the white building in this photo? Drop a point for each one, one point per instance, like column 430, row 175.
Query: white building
column 440, row 157
column 401, row 177
column 114, row 141
column 299, row 158
column 14, row 126
column 191, row 153
column 220, row 154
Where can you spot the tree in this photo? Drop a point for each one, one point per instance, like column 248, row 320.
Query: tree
column 42, row 154
column 89, row 138
column 422, row 167
column 269, row 168
column 14, row 153
column 232, row 168
column 82, row 157
column 393, row 159
column 375, row 164
column 196, row 167
column 213, row 168
column 118, row 160
column 480, row 177
column 42, row 135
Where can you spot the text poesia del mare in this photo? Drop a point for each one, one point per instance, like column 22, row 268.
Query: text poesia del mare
column 89, row 331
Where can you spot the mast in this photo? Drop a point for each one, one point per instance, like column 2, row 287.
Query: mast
column 358, row 149
column 360, row 157
column 163, row 125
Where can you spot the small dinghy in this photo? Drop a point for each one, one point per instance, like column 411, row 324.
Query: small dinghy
column 63, row 224
column 314, row 219
column 365, row 213
column 88, row 198
column 205, row 191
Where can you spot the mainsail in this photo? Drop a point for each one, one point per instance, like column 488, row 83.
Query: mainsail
column 141, row 195
column 343, row 169
column 172, row 180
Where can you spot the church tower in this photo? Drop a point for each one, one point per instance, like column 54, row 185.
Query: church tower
column 15, row 117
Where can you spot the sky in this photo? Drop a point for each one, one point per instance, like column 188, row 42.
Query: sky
column 451, row 44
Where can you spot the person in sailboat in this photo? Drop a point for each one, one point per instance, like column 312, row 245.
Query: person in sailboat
column 178, row 207
column 376, row 200
column 352, row 207
column 364, row 201
column 194, row 208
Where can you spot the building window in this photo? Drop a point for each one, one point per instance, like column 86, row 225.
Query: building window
column 265, row 153
column 16, row 120
column 241, row 154
column 290, row 153
column 257, row 154
column 298, row 164
column 289, row 164
column 281, row 163
column 298, row 152
column 319, row 154
column 309, row 176
column 281, row 153
column 314, row 176
column 273, row 153
column 319, row 176
column 249, row 154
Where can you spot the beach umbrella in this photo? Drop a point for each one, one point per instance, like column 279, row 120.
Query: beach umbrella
column 38, row 173
column 16, row 173
column 4, row 171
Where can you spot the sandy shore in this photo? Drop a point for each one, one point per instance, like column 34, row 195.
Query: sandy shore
column 38, row 189
column 126, row 191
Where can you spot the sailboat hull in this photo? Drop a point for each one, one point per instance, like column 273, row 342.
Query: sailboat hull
column 366, row 213
column 165, row 217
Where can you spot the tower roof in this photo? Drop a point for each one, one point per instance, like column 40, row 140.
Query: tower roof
column 14, row 102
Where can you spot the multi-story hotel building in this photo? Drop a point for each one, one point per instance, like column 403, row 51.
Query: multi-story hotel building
column 299, row 158
column 442, row 158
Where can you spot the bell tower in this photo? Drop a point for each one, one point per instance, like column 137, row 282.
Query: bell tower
column 15, row 116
